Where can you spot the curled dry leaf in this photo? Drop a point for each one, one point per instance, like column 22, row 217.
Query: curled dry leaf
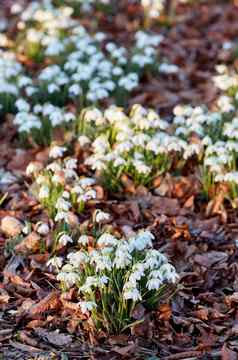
column 50, row 302
column 11, row 226
column 31, row 244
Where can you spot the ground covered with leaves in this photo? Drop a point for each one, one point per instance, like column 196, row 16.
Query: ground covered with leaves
column 61, row 190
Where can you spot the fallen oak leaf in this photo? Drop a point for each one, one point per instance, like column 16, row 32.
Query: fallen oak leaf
column 54, row 337
column 211, row 258
column 165, row 312
column 126, row 350
column 231, row 299
column 4, row 297
column 25, row 348
column 35, row 323
column 228, row 354
column 50, row 302
column 24, row 337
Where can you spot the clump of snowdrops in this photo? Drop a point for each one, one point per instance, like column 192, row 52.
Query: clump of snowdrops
column 86, row 74
column 39, row 121
column 84, row 68
column 12, row 81
column 59, row 188
column 137, row 145
column 213, row 140
column 113, row 275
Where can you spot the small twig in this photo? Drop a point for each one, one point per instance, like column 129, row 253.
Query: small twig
column 185, row 355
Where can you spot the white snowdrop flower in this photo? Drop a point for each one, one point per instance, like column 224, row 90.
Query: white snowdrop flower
column 68, row 116
column 123, row 256
column 40, row 180
column 68, row 278
column 119, row 161
column 225, row 103
column 103, row 280
column 95, row 164
column 30, row 90
column 125, row 146
column 154, row 284
column 78, row 258
column 65, row 194
column 138, row 271
column 77, row 189
column 33, row 168
column 71, row 164
column 16, row 9
column 43, row 229
column 37, row 109
column 206, row 141
column 87, row 306
column 141, row 167
column 93, row 115
column 83, row 240
column 88, row 195
column 102, row 263
column 56, row 117
column 101, row 145
column 86, row 182
column 75, row 90
column 168, row 68
column 57, row 151
column 221, row 69
column 64, row 239
column 33, row 35
column 154, row 259
column 56, row 179
column 62, row 204
column 101, row 216
column 22, row 105
column 83, row 140
column 131, row 293
column 192, row 149
column 115, row 114
column 55, row 261
column 107, row 239
column 70, row 174
column 100, row 36
column 91, row 281
column 117, row 71
column 54, row 166
column 52, row 88
column 44, row 192
column 61, row 215
column 141, row 139
column 142, row 240
column 169, row 273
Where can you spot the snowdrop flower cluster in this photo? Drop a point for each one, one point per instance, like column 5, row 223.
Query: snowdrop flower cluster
column 116, row 275
column 88, row 74
column 212, row 137
column 225, row 79
column 197, row 122
column 59, row 188
column 153, row 8
column 41, row 26
column 138, row 145
column 220, row 160
column 39, row 120
column 12, row 81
